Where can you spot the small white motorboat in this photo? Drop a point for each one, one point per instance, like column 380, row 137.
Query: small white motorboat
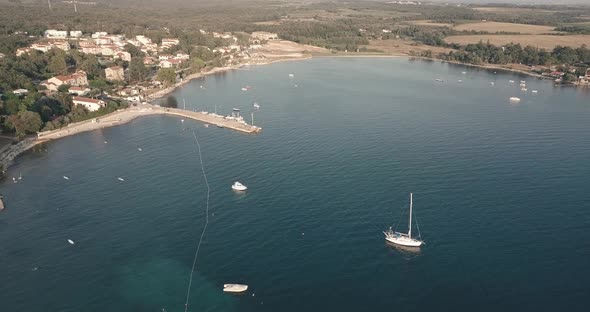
column 522, row 81
column 464, row 73
column 244, row 89
column 459, row 81
column 492, row 83
column 291, row 75
column 438, row 80
column 535, row 91
column 71, row 242
column 121, row 179
column 255, row 105
column 66, row 178
column 514, row 99
column 235, row 288
column 206, row 125
column 523, row 89
column 511, row 81
column 237, row 186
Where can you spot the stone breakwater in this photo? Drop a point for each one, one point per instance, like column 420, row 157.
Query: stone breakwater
column 9, row 152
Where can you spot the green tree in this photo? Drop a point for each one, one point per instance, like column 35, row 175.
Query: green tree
column 25, row 122
column 167, row 76
column 64, row 88
column 57, row 61
column 11, row 104
column 133, row 50
column 137, row 70
column 91, row 66
column 197, row 64
column 171, row 102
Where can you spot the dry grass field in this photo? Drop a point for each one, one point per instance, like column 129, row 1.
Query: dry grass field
column 541, row 41
column 493, row 27
column 511, row 10
column 429, row 23
column 403, row 47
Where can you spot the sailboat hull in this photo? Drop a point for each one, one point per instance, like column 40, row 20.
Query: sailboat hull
column 404, row 241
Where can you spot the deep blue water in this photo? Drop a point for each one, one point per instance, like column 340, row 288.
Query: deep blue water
column 501, row 194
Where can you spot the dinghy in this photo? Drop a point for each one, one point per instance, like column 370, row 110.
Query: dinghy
column 235, row 288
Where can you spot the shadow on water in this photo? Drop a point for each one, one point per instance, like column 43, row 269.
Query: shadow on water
column 161, row 284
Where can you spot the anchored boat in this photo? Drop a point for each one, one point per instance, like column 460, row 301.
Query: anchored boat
column 404, row 239
column 235, row 288
column 237, row 186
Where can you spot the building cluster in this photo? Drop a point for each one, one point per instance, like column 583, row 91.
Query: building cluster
column 584, row 80
column 98, row 43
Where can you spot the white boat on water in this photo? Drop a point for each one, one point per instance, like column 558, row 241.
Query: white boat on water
column 511, row 81
column 404, row 239
column 71, row 242
column 535, row 91
column 464, row 73
column 459, row 81
column 237, row 186
column 522, row 81
column 523, row 89
column 291, row 75
column 514, row 99
column 255, row 105
column 492, row 83
column 235, row 288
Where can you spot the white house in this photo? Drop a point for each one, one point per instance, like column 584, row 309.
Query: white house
column 163, row 57
column 168, row 42
column 79, row 90
column 56, row 34
column 99, row 34
column 76, row 79
column 143, row 39
column 75, row 34
column 115, row 73
column 90, row 104
column 263, row 35
column 125, row 56
column 20, row 92
column 182, row 56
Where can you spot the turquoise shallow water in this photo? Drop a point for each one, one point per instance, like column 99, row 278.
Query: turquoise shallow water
column 500, row 191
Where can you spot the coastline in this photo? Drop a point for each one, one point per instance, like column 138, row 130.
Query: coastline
column 10, row 152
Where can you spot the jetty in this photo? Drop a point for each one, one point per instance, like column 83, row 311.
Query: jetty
column 123, row 116
column 233, row 122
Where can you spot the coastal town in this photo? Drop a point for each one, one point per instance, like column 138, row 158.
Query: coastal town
column 112, row 53
column 126, row 74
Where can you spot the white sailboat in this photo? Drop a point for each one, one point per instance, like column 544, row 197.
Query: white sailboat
column 404, row 239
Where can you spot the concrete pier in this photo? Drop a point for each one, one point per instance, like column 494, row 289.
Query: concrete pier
column 210, row 118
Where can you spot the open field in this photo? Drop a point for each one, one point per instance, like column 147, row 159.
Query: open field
column 403, row 47
column 493, row 27
column 540, row 41
column 429, row 23
column 511, row 10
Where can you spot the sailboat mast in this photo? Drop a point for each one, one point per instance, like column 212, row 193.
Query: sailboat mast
column 184, row 103
column 410, row 226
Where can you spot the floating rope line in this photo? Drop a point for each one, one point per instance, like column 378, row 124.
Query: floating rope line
column 190, row 281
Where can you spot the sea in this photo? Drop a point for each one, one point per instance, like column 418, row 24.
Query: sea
column 501, row 197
